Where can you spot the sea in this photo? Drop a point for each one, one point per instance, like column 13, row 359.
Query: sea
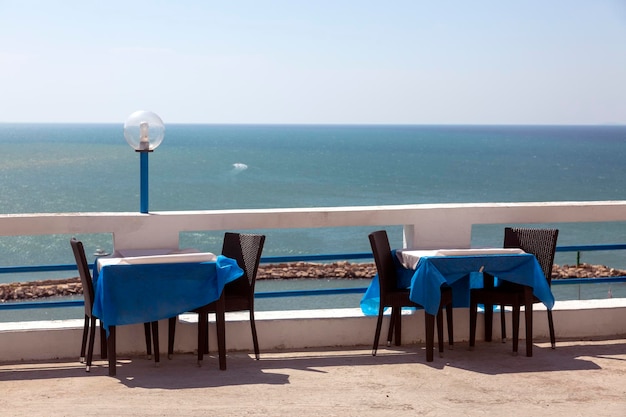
column 49, row 168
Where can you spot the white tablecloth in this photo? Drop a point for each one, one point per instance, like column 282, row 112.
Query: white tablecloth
column 409, row 258
column 155, row 256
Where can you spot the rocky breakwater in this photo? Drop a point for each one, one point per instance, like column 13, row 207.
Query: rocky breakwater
column 344, row 270
column 585, row 271
column 33, row 290
column 40, row 289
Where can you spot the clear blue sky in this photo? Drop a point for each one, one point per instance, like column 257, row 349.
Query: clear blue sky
column 314, row 61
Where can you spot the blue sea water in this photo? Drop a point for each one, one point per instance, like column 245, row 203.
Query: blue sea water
column 89, row 167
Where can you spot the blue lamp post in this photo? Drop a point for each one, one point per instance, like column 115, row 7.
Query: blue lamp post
column 144, row 132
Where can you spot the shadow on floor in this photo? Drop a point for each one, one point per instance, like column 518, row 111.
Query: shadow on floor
column 274, row 368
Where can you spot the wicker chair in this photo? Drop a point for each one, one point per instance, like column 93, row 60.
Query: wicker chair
column 542, row 244
column 238, row 295
column 89, row 327
column 392, row 296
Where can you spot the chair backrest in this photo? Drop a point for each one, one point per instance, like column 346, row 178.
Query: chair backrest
column 246, row 249
column 85, row 275
column 539, row 242
column 387, row 276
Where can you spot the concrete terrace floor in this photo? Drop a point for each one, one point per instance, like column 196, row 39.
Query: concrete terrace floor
column 579, row 378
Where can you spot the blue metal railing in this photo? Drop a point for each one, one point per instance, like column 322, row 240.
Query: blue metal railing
column 591, row 248
column 296, row 293
column 579, row 281
column 25, row 305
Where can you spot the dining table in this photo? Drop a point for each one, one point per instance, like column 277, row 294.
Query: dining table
column 425, row 271
column 144, row 286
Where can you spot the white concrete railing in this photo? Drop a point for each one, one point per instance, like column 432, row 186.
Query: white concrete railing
column 427, row 225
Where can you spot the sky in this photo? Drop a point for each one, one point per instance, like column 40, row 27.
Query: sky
column 314, row 61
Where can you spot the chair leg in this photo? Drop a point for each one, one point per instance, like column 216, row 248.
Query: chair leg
column 398, row 326
column 220, row 324
column 392, row 324
column 83, row 345
column 146, row 330
column 155, row 340
column 503, row 323
column 516, row 314
column 528, row 314
column 92, row 338
column 206, row 334
column 379, row 324
column 171, row 333
column 450, row 324
column 473, row 316
column 551, row 326
column 255, row 340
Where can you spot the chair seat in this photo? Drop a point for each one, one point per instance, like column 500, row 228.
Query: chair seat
column 401, row 298
column 233, row 303
column 398, row 298
column 504, row 296
column 391, row 296
column 89, row 327
column 542, row 244
column 238, row 295
column 500, row 296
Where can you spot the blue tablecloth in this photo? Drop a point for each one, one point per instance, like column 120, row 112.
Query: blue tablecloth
column 461, row 273
column 142, row 293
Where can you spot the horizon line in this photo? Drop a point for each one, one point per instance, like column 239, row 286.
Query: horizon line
column 606, row 124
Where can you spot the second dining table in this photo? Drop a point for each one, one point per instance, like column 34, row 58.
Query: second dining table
column 425, row 271
column 146, row 286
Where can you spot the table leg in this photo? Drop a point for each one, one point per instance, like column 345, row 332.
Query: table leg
column 111, row 351
column 488, row 282
column 430, row 336
column 155, row 341
column 146, row 329
column 220, row 322
column 488, row 322
column 171, row 333
column 528, row 304
column 440, row 332
column 515, row 316
column 103, row 342
column 202, row 329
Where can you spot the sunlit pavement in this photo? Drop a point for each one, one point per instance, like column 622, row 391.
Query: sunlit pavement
column 578, row 378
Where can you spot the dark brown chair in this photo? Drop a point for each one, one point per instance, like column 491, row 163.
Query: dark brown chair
column 89, row 328
column 538, row 242
column 238, row 295
column 396, row 298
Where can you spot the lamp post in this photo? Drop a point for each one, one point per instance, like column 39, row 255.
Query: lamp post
column 144, row 132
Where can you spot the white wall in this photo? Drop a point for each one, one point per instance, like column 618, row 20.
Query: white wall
column 425, row 225
column 292, row 330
